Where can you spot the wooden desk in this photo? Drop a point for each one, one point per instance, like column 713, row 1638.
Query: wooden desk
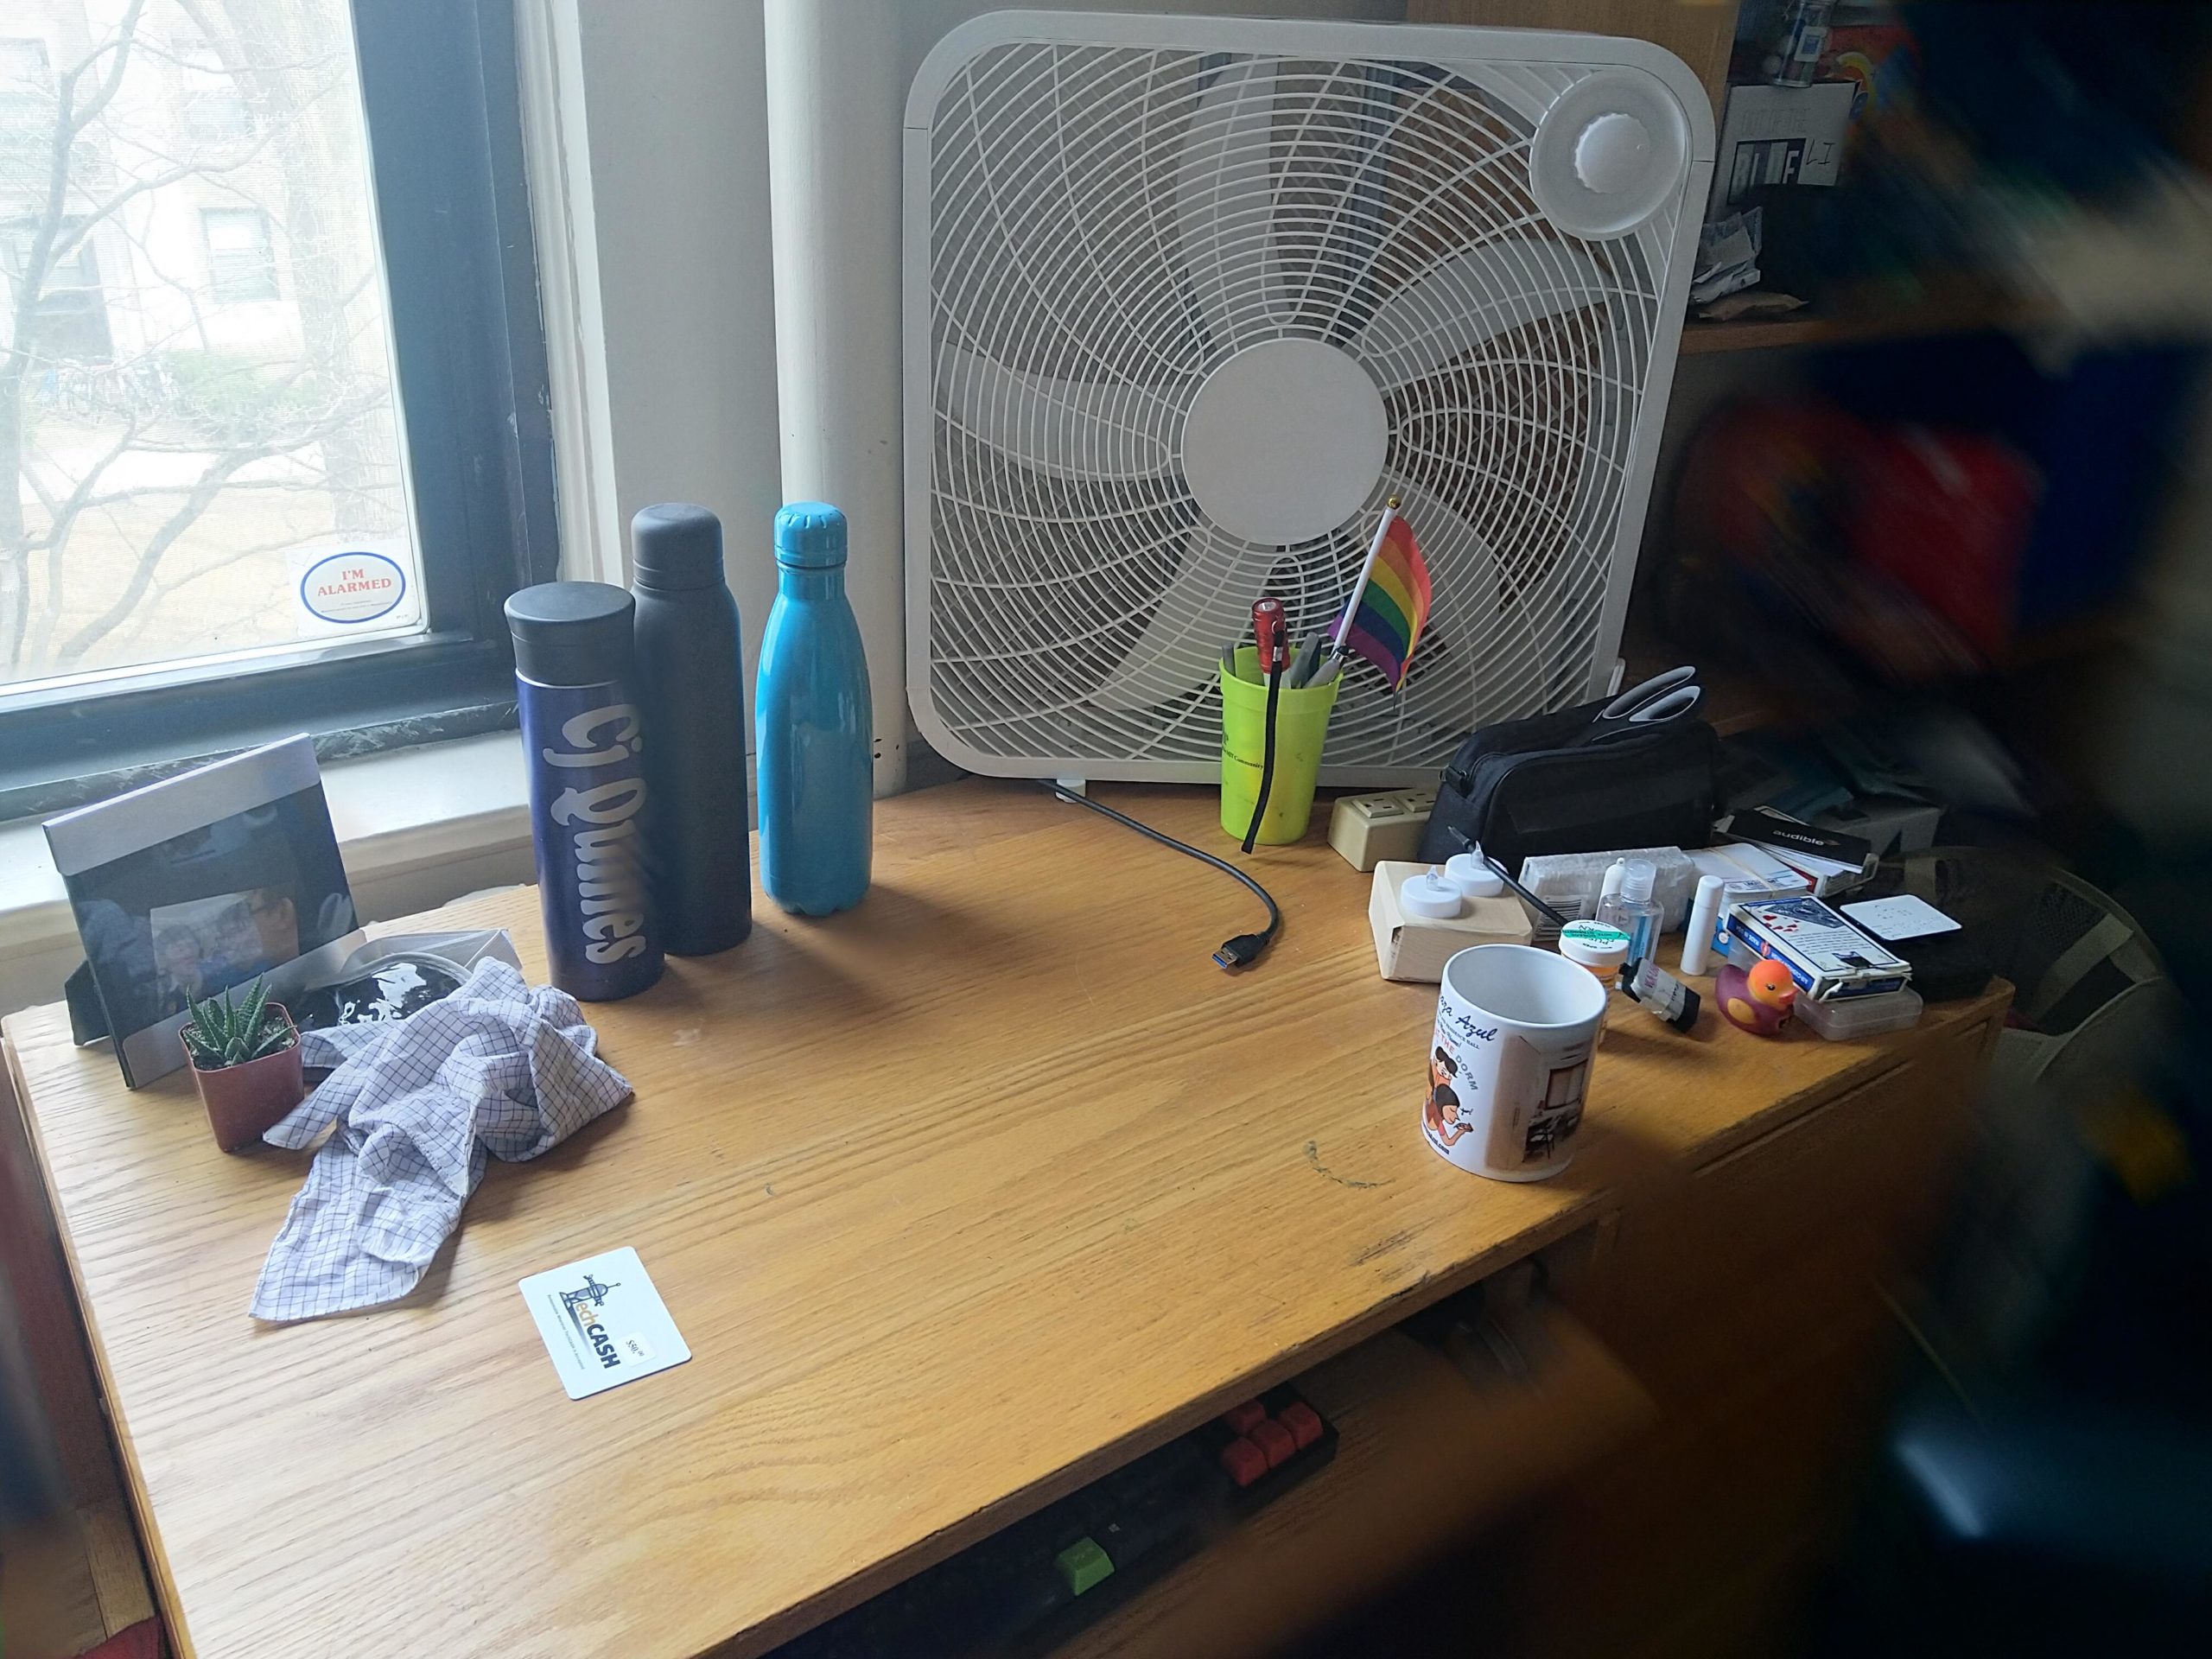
column 960, row 1200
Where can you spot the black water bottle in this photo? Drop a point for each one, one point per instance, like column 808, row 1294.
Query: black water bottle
column 691, row 689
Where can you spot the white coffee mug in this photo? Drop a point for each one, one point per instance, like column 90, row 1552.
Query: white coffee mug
column 1515, row 1030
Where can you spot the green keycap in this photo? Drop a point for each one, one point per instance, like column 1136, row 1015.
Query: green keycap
column 1083, row 1564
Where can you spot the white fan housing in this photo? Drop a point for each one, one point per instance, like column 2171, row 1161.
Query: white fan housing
column 1187, row 300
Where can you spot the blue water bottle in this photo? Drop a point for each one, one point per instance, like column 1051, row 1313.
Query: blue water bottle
column 814, row 724
column 585, row 746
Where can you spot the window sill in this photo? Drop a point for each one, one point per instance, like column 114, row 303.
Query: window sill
column 416, row 827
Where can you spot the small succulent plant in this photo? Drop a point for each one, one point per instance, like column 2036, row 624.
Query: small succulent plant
column 222, row 1033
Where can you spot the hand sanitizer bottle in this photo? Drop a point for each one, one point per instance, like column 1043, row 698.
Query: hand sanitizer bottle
column 1640, row 912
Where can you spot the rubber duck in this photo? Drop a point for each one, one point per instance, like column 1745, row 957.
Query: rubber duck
column 1760, row 998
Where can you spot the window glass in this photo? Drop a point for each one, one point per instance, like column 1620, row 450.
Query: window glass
column 199, row 445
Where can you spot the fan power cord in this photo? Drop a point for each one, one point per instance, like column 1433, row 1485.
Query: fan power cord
column 1266, row 761
column 1243, row 950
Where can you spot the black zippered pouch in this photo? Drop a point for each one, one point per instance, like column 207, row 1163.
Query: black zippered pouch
column 1571, row 783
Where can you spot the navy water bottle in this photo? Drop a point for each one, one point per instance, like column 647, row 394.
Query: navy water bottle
column 585, row 742
column 816, row 743
column 690, row 686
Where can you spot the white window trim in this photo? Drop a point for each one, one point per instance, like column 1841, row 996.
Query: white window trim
column 416, row 827
column 557, row 160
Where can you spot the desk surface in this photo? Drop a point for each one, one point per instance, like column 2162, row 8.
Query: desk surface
column 959, row 1199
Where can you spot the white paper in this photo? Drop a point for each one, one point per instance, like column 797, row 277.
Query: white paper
column 1902, row 916
column 603, row 1323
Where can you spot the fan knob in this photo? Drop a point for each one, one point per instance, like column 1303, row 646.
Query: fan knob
column 1611, row 152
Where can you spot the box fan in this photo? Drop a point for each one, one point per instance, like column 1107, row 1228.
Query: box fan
column 1187, row 300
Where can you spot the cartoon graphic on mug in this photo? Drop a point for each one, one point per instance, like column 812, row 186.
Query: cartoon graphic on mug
column 1510, row 1063
column 1441, row 1116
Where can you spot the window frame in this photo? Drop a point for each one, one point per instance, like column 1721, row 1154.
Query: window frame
column 441, row 91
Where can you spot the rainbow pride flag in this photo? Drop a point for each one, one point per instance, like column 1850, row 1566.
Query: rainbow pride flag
column 1393, row 607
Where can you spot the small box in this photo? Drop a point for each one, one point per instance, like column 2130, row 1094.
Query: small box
column 1570, row 882
column 1368, row 828
column 1830, row 861
column 1842, row 1019
column 1414, row 947
column 1825, row 955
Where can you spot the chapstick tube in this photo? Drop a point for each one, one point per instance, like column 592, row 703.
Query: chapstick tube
column 1705, row 916
column 584, row 743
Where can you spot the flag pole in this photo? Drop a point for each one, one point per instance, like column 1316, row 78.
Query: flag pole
column 1359, row 588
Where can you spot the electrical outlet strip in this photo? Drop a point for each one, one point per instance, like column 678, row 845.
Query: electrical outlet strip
column 1368, row 828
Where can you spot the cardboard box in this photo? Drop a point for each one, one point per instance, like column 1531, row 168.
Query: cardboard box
column 1825, row 955
column 1415, row 948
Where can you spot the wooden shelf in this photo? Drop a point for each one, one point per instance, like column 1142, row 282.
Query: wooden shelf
column 1960, row 313
column 1423, row 1458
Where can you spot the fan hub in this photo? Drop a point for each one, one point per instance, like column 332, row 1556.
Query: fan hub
column 1285, row 441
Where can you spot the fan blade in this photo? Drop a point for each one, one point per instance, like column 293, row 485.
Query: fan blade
column 1224, row 207
column 1096, row 429
column 1207, row 605
column 1472, row 297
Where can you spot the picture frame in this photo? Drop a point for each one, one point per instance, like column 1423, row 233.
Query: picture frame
column 197, row 884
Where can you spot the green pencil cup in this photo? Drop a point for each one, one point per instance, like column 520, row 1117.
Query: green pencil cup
column 1301, row 725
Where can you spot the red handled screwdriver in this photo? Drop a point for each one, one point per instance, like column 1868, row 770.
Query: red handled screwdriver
column 1272, row 635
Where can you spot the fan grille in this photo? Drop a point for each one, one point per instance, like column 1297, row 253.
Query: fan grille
column 1106, row 226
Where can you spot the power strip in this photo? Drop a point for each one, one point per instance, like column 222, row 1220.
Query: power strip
column 1368, row 828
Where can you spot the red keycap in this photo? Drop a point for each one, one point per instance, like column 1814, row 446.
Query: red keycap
column 1273, row 1438
column 1303, row 1422
column 1238, row 1420
column 1245, row 1462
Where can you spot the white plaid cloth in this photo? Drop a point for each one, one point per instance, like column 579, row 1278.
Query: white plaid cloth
column 495, row 1067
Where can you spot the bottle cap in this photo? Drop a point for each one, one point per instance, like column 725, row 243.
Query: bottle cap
column 675, row 546
column 1637, row 879
column 1429, row 895
column 1611, row 885
column 809, row 536
column 1473, row 878
column 571, row 632
column 1594, row 946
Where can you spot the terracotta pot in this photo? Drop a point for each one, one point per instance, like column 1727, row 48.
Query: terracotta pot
column 243, row 1102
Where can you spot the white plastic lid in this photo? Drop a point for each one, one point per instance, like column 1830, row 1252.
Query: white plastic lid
column 1593, row 944
column 1472, row 876
column 1429, row 895
column 1611, row 886
column 1636, row 880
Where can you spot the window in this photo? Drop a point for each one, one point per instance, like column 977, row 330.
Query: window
column 26, row 114
column 241, row 266
column 280, row 446
column 26, row 84
column 69, row 314
column 215, row 110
